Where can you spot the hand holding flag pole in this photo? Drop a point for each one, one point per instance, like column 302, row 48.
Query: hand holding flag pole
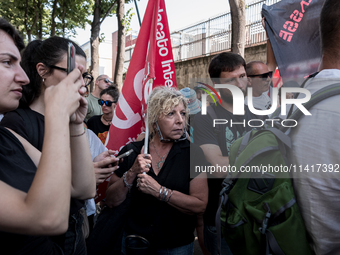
column 151, row 58
column 146, row 139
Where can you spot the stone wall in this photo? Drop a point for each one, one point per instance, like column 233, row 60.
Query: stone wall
column 198, row 67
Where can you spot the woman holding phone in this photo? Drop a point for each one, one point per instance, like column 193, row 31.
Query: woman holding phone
column 45, row 63
column 34, row 200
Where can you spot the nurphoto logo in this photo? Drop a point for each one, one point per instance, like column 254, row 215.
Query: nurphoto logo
column 238, row 104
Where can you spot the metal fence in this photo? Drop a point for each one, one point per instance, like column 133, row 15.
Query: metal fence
column 214, row 35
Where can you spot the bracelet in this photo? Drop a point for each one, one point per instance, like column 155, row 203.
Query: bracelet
column 165, row 193
column 170, row 196
column 126, row 184
column 160, row 192
column 79, row 134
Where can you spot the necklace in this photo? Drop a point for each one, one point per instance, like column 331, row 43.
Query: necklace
column 107, row 121
column 162, row 159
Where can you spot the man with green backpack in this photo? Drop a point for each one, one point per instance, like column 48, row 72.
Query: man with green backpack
column 225, row 68
column 261, row 213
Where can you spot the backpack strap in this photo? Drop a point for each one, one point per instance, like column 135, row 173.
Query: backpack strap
column 31, row 124
column 318, row 96
column 227, row 184
column 302, row 86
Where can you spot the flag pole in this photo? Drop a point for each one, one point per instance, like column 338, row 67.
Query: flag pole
column 140, row 22
column 146, row 139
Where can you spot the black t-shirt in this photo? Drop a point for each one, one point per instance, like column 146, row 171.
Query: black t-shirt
column 15, row 122
column 205, row 133
column 97, row 126
column 18, row 171
column 163, row 225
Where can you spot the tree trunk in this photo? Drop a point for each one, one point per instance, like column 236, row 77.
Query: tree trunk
column 94, row 40
column 237, row 10
column 118, row 77
column 29, row 30
column 53, row 17
column 63, row 18
column 40, row 23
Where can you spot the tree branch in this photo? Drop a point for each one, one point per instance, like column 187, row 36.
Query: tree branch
column 108, row 11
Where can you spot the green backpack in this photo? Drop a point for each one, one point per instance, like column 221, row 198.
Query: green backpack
column 258, row 214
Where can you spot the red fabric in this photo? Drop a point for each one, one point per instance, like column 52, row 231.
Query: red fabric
column 152, row 59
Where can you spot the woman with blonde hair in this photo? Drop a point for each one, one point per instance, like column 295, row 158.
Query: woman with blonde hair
column 166, row 194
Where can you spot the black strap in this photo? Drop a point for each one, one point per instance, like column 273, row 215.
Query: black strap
column 272, row 244
column 284, row 207
column 31, row 125
column 223, row 201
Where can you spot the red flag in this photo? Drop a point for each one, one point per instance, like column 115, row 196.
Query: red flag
column 152, row 59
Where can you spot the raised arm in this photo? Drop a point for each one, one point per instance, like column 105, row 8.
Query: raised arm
column 271, row 61
column 83, row 178
column 44, row 209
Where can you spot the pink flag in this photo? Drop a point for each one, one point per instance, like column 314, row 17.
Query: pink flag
column 152, row 59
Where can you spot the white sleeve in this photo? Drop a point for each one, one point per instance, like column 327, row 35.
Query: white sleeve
column 96, row 146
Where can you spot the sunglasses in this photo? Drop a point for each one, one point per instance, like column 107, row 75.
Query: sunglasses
column 106, row 80
column 86, row 76
column 263, row 76
column 101, row 102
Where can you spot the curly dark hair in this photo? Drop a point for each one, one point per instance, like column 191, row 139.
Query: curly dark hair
column 111, row 91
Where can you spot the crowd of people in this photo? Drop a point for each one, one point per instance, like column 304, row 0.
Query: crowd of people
column 53, row 154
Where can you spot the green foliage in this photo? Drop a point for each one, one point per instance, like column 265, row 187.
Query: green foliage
column 102, row 38
column 69, row 15
column 127, row 20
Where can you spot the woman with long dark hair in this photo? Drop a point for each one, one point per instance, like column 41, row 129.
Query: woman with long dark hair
column 45, row 63
column 36, row 187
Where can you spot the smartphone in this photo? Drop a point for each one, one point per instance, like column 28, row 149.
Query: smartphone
column 71, row 57
column 125, row 154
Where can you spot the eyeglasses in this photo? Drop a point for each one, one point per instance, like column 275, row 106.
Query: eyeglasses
column 86, row 76
column 263, row 76
column 101, row 102
column 106, row 80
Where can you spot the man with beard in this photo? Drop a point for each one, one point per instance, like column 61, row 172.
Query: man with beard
column 259, row 78
column 225, row 68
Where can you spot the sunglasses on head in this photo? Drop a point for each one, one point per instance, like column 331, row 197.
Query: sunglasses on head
column 101, row 102
column 86, row 76
column 263, row 76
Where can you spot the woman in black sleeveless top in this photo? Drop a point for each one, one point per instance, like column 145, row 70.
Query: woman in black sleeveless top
column 34, row 201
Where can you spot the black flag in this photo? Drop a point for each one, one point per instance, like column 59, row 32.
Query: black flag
column 293, row 30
